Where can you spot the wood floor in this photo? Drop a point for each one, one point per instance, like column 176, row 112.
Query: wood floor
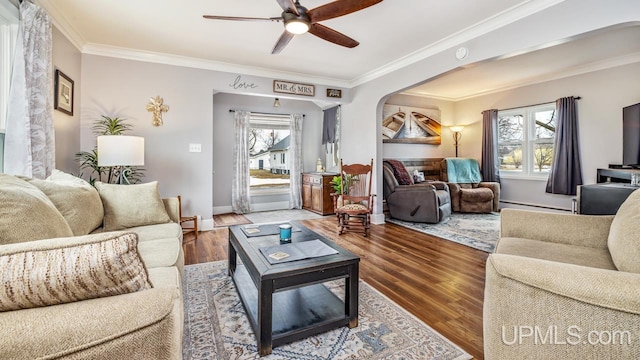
column 438, row 281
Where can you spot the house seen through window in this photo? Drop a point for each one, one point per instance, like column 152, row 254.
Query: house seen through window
column 269, row 142
column 525, row 140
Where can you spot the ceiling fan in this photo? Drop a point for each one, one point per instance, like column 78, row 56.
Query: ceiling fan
column 298, row 20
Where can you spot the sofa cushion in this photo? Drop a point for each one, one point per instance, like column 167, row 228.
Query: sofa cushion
column 160, row 252
column 26, row 213
column 57, row 271
column 624, row 235
column 77, row 201
column 126, row 206
column 140, row 325
column 476, row 195
column 569, row 254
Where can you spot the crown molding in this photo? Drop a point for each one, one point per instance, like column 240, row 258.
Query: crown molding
column 62, row 24
column 497, row 21
column 178, row 60
column 557, row 75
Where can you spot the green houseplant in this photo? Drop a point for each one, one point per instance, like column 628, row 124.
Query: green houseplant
column 88, row 160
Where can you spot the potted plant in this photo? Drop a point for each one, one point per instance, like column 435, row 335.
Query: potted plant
column 89, row 159
column 340, row 190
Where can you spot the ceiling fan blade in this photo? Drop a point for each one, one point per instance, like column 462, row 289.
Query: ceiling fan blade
column 282, row 42
column 288, row 6
column 240, row 18
column 333, row 36
column 338, row 8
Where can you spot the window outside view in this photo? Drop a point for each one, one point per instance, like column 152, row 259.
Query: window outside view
column 525, row 139
column 268, row 158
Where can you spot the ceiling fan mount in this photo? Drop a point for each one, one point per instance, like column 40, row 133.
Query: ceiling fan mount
column 298, row 23
column 298, row 20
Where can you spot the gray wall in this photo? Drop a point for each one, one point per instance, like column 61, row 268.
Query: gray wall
column 223, row 140
column 67, row 58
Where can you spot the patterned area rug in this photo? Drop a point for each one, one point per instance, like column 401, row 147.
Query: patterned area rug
column 216, row 326
column 479, row 231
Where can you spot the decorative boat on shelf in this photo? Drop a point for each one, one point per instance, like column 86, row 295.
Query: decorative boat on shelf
column 429, row 125
column 393, row 124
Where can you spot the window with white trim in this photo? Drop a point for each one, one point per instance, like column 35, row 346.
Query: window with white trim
column 525, row 140
column 268, row 144
column 9, row 18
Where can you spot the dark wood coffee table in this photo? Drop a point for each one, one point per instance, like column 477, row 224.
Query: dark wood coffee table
column 288, row 301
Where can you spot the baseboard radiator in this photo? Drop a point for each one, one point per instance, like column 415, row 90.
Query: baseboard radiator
column 510, row 203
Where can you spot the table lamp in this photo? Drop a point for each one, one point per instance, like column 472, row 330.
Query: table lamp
column 121, row 151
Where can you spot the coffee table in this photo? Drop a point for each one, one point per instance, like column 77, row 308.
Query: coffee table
column 288, row 301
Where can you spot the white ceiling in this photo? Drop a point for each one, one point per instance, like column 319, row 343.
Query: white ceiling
column 391, row 33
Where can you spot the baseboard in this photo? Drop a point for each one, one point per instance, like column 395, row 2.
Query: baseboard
column 531, row 206
column 205, row 225
column 377, row 219
column 270, row 206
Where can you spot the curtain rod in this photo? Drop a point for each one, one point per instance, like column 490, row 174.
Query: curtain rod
column 265, row 113
column 518, row 107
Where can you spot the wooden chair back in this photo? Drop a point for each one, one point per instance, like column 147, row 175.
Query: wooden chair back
column 356, row 183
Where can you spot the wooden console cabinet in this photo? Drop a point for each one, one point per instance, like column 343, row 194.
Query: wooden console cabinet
column 316, row 192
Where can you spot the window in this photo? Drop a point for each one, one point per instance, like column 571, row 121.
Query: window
column 525, row 140
column 8, row 35
column 268, row 146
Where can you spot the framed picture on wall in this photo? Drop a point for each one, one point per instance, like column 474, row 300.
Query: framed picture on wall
column 63, row 95
column 409, row 125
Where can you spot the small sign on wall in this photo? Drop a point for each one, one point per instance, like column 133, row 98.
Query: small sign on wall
column 334, row 93
column 286, row 87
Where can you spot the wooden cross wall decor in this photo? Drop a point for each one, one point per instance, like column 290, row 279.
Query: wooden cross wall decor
column 157, row 107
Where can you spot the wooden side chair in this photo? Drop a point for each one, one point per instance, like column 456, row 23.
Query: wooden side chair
column 187, row 219
column 353, row 203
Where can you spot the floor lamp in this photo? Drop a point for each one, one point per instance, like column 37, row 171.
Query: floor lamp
column 121, row 151
column 457, row 135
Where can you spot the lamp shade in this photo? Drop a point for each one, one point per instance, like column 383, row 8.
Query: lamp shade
column 120, row 150
column 457, row 128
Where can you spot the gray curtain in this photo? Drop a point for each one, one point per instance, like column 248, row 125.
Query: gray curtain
column 566, row 169
column 29, row 139
column 490, row 166
column 296, row 164
column 240, row 199
column 331, row 133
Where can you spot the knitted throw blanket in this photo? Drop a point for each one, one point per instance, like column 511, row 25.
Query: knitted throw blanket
column 400, row 172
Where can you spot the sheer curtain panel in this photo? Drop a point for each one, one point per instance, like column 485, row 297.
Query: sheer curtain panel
column 297, row 164
column 240, row 198
column 29, row 138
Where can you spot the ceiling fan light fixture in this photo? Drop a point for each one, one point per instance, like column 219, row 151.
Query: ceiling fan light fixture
column 297, row 26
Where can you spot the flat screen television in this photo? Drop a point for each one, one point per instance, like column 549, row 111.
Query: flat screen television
column 631, row 135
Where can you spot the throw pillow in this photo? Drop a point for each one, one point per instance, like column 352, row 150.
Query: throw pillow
column 26, row 213
column 127, row 206
column 58, row 271
column 400, row 172
column 77, row 201
column 624, row 233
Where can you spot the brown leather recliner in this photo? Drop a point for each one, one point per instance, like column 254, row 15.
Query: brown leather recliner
column 426, row 202
column 477, row 197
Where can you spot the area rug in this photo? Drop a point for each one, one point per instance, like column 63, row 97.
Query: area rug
column 216, row 326
column 479, row 231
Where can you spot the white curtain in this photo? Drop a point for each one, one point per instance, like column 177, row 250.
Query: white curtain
column 29, row 139
column 296, row 164
column 240, row 199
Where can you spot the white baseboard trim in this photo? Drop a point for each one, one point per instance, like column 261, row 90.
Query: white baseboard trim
column 206, row 224
column 280, row 205
column 377, row 219
column 221, row 210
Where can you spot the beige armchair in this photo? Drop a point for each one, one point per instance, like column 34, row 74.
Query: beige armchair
column 563, row 286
